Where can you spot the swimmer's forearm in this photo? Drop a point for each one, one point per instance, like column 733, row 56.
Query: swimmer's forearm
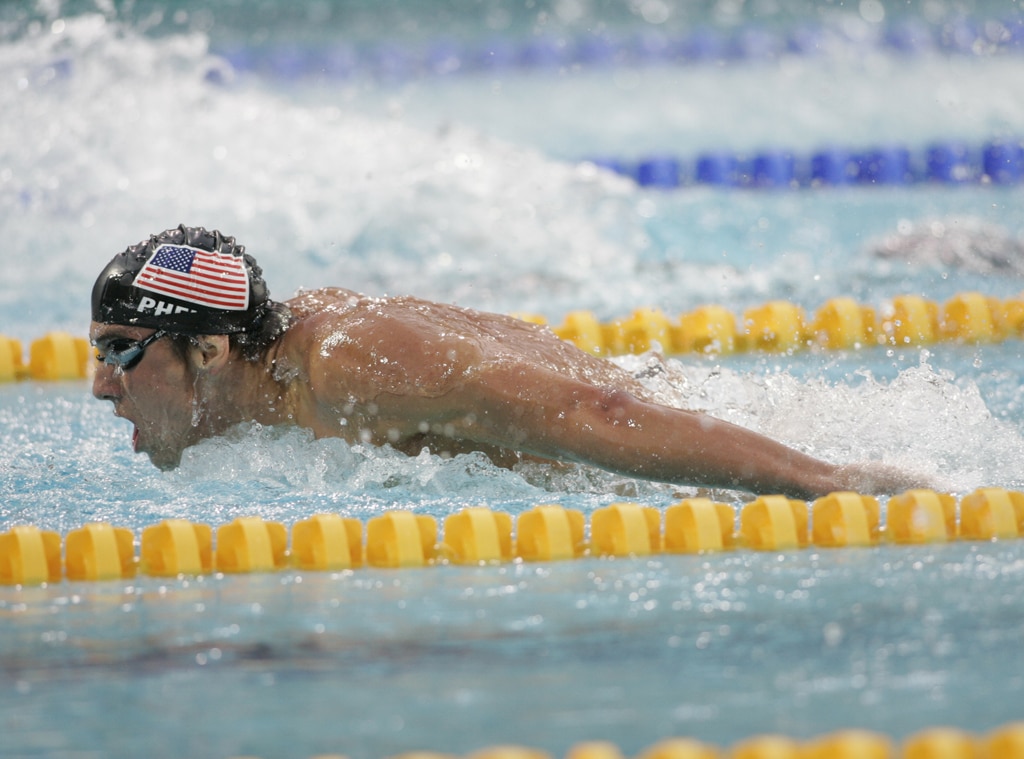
column 688, row 448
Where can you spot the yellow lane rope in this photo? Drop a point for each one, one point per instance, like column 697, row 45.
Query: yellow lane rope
column 479, row 536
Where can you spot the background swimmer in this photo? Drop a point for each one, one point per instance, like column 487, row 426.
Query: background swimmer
column 190, row 344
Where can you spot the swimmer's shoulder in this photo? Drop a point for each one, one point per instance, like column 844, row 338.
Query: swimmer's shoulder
column 315, row 316
column 322, row 301
column 334, row 330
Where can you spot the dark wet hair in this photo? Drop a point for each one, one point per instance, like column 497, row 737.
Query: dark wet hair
column 191, row 281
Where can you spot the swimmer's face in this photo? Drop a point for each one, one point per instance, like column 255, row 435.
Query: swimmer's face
column 154, row 391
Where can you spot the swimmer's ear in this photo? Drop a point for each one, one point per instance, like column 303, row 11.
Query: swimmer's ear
column 209, row 352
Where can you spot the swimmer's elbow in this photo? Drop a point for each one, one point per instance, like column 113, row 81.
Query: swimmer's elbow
column 614, row 400
column 612, row 407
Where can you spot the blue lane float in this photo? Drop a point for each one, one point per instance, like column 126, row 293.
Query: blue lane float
column 716, row 168
column 997, row 162
column 391, row 61
column 832, row 166
column 1003, row 161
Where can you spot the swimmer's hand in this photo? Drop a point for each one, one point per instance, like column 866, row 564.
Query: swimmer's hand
column 882, row 479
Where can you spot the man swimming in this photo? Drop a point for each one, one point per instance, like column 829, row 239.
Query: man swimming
column 190, row 344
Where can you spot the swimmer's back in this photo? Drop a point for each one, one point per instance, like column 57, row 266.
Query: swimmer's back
column 407, row 344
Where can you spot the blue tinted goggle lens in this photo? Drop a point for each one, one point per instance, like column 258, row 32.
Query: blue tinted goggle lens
column 124, row 353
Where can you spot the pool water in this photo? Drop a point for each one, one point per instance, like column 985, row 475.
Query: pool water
column 470, row 186
column 375, row 662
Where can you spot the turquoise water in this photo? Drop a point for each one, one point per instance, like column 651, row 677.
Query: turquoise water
column 467, row 187
column 373, row 662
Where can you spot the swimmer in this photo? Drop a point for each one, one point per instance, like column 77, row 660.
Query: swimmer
column 189, row 344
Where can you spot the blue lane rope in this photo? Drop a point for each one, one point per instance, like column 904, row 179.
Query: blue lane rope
column 997, row 162
column 393, row 61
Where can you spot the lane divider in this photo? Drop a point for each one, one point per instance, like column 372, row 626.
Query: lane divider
column 996, row 162
column 1003, row 742
column 478, row 536
column 395, row 61
column 55, row 356
column 777, row 326
column 783, row 327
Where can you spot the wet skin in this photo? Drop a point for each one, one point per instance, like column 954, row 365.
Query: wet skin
column 412, row 374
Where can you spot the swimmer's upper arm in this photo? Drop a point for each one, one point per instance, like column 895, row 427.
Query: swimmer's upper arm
column 545, row 413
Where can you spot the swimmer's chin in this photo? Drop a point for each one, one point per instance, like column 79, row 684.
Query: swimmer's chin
column 165, row 461
column 164, row 458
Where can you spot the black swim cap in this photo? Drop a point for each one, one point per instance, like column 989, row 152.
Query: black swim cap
column 186, row 280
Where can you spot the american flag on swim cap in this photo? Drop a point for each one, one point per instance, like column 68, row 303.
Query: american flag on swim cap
column 190, row 274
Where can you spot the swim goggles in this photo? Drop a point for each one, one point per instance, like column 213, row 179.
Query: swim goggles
column 124, row 353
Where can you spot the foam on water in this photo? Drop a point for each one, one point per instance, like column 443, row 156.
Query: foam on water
column 923, row 420
column 137, row 139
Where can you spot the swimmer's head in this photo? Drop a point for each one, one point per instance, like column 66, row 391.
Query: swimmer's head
column 189, row 281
